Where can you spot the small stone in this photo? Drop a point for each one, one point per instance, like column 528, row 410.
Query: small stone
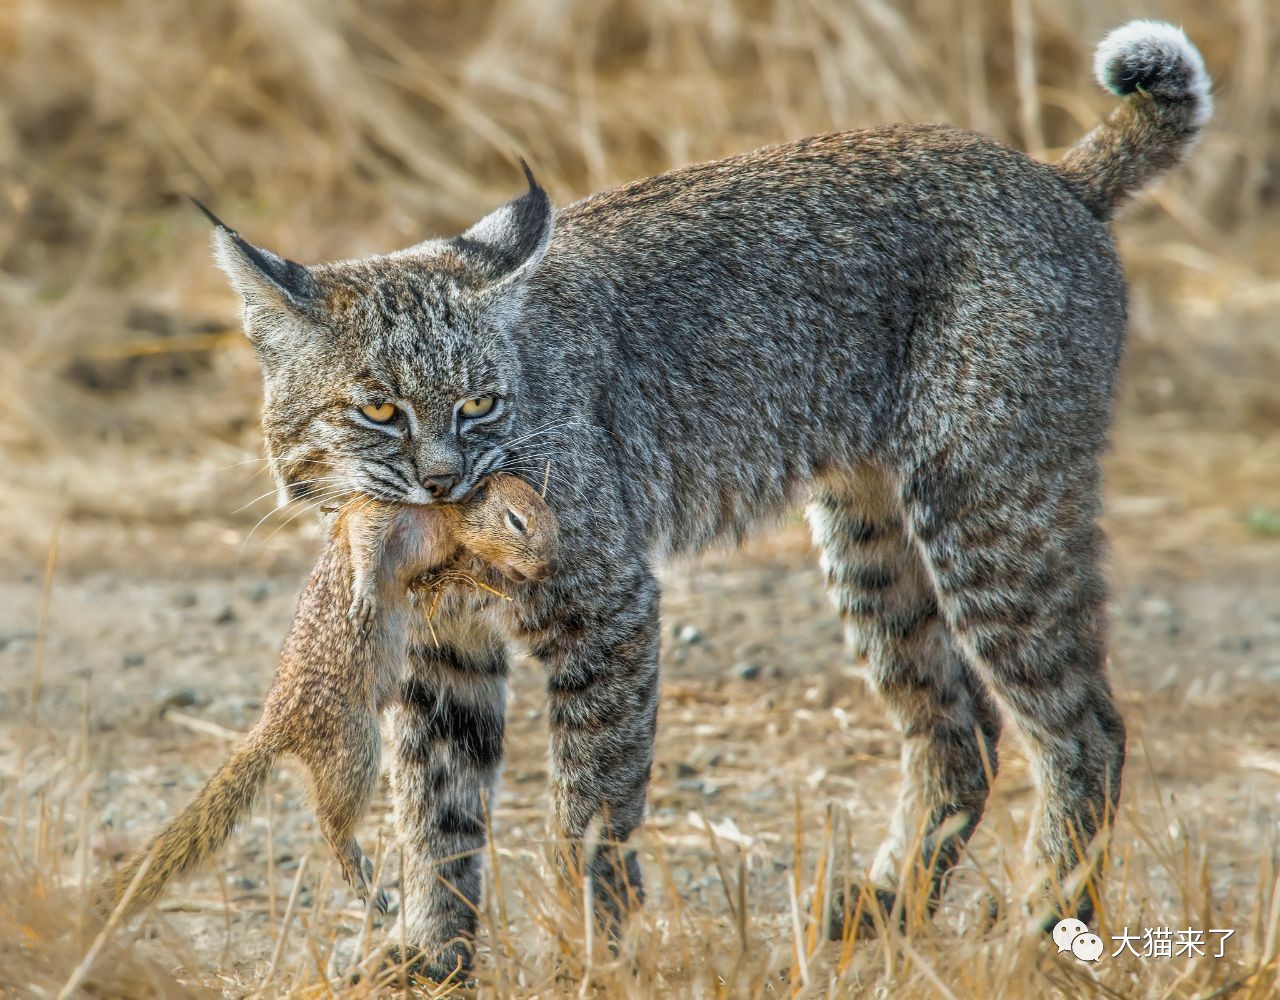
column 261, row 590
column 748, row 671
column 186, row 599
column 685, row 770
column 689, row 635
column 17, row 639
column 132, row 660
column 225, row 616
column 179, row 698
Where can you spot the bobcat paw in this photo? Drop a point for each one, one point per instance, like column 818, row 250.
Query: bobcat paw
column 867, row 909
column 351, row 961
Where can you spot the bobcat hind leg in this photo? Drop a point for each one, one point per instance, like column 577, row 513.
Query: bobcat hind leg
column 949, row 723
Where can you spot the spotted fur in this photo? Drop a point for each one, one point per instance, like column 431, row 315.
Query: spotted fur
column 912, row 326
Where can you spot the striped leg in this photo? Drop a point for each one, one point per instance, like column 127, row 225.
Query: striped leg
column 448, row 734
column 1016, row 561
column 603, row 704
column 949, row 724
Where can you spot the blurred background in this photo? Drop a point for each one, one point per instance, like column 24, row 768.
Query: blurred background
column 130, row 451
column 331, row 128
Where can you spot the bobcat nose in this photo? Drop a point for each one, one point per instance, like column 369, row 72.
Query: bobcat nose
column 441, row 485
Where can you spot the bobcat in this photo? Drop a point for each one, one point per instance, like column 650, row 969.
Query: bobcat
column 912, row 327
column 343, row 662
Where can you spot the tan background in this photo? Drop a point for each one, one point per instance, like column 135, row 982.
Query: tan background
column 323, row 129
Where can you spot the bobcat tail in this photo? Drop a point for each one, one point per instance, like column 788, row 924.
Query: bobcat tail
column 201, row 828
column 1162, row 79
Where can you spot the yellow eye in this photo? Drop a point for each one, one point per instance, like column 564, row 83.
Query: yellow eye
column 379, row 414
column 477, row 407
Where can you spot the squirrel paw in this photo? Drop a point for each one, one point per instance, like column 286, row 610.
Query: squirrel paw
column 362, row 610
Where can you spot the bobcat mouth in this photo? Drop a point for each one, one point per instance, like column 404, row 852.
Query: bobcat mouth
column 473, row 490
column 464, row 492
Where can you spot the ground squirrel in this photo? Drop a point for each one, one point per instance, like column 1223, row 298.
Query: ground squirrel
column 342, row 662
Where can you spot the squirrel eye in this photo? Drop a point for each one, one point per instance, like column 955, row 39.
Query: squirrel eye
column 517, row 522
column 379, row 414
column 476, row 407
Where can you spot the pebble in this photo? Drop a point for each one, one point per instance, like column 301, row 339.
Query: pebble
column 225, row 616
column 18, row 639
column 698, row 787
column 131, row 660
column 748, row 671
column 688, row 635
column 186, row 599
column 179, row 698
column 261, row 590
column 685, row 770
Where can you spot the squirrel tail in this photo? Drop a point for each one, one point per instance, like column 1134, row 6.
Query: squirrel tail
column 200, row 829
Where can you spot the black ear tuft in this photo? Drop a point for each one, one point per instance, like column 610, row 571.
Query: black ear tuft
column 285, row 277
column 208, row 214
column 528, row 176
column 510, row 242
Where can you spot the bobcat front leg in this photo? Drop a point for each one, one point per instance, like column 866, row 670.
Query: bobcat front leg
column 602, row 689
column 448, row 726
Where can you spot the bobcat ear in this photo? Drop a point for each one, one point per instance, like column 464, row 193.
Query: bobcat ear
column 510, row 242
column 258, row 275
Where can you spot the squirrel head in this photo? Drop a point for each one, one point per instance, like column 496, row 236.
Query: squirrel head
column 508, row 525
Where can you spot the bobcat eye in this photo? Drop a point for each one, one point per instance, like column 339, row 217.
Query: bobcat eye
column 379, row 414
column 476, row 407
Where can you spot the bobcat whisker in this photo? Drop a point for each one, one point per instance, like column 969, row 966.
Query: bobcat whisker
column 273, row 492
column 303, row 506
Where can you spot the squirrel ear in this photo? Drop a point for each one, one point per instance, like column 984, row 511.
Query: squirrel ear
column 509, row 243
column 260, row 276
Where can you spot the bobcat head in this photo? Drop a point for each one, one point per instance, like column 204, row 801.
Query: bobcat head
column 393, row 376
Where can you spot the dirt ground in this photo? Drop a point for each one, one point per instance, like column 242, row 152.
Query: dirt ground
column 150, row 671
column 129, row 449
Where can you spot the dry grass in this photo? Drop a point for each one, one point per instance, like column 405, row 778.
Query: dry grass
column 733, row 907
column 334, row 128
